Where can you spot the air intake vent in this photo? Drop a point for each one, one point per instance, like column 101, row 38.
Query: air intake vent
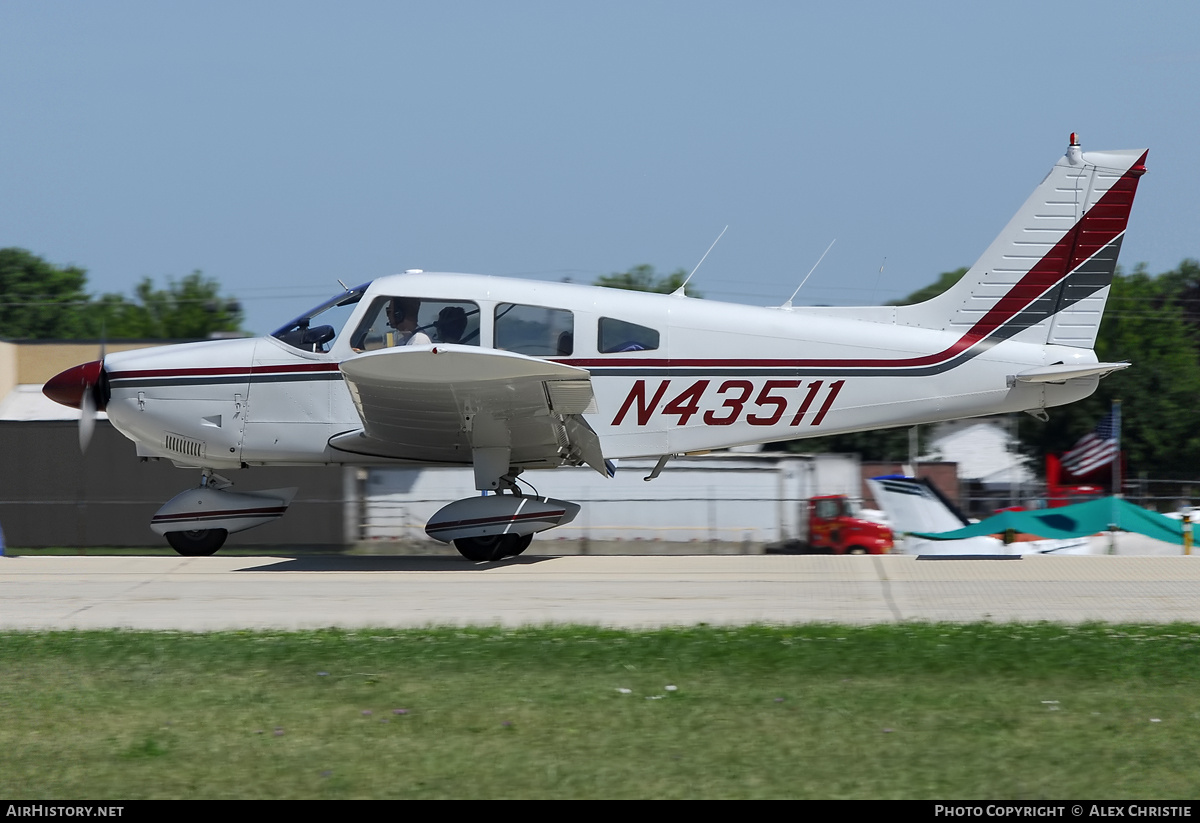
column 184, row 445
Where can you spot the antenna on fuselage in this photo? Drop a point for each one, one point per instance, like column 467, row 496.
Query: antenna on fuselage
column 788, row 305
column 878, row 277
column 679, row 291
column 343, row 285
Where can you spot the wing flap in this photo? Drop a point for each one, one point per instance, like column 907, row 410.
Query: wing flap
column 437, row 404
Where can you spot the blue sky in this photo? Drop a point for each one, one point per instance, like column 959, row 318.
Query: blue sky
column 279, row 146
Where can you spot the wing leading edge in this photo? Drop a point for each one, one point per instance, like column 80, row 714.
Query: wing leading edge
column 450, row 404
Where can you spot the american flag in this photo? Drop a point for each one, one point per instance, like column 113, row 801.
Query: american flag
column 1096, row 449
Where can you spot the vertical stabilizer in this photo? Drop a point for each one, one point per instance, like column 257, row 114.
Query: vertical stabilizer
column 915, row 505
column 1046, row 277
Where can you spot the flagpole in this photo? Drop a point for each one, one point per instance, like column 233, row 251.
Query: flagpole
column 1116, row 472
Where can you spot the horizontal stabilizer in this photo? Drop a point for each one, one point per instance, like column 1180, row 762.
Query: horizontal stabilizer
column 1061, row 373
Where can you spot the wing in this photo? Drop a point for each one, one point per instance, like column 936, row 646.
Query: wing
column 461, row 404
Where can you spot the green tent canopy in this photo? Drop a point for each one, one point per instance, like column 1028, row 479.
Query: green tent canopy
column 1078, row 520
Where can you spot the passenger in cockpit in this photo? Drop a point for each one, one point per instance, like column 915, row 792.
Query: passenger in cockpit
column 450, row 325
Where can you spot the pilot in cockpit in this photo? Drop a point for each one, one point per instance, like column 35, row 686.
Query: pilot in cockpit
column 402, row 316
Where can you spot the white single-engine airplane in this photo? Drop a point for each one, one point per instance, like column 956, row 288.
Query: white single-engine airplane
column 506, row 375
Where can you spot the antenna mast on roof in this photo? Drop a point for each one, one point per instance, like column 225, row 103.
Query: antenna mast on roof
column 788, row 304
column 679, row 291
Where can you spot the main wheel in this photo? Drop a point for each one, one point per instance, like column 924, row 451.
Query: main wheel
column 197, row 543
column 522, row 544
column 857, row 550
column 492, row 547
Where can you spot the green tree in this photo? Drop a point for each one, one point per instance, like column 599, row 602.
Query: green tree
column 1182, row 287
column 945, row 280
column 189, row 308
column 644, row 278
column 39, row 300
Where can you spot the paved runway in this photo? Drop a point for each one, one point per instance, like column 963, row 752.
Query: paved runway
column 202, row 594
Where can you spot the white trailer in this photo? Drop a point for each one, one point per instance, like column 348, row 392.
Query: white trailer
column 726, row 498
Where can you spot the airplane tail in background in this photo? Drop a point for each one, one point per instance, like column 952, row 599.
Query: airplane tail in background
column 1046, row 277
column 915, row 505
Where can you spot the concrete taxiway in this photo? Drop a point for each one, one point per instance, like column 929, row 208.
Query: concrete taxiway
column 211, row 593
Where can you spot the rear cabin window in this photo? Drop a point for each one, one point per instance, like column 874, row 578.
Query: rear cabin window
column 620, row 335
column 412, row 321
column 534, row 330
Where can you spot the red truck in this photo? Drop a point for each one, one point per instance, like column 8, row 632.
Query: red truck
column 833, row 526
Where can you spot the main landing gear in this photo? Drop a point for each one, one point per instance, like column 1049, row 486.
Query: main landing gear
column 492, row 547
column 498, row 525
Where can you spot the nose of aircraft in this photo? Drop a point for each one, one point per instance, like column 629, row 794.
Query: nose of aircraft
column 69, row 387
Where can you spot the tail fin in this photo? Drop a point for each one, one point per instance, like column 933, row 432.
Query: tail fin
column 1047, row 276
column 915, row 505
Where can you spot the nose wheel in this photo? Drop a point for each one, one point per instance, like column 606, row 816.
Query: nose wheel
column 492, row 547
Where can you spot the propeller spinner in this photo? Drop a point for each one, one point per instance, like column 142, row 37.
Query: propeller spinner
column 83, row 387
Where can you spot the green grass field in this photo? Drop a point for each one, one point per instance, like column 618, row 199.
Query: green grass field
column 939, row 712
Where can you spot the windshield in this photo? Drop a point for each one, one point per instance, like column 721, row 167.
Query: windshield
column 315, row 330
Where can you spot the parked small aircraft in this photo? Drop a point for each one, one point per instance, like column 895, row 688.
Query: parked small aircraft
column 506, row 375
column 915, row 505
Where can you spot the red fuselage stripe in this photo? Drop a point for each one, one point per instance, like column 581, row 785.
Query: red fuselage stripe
column 224, row 371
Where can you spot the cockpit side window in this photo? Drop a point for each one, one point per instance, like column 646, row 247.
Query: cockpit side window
column 621, row 336
column 416, row 321
column 534, row 330
column 316, row 330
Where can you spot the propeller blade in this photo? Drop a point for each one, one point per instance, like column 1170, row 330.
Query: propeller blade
column 87, row 413
column 87, row 418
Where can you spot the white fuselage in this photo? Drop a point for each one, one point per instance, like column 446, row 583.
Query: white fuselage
column 694, row 375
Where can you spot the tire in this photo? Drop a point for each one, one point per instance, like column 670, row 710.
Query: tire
column 522, row 544
column 492, row 547
column 857, row 550
column 198, row 543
